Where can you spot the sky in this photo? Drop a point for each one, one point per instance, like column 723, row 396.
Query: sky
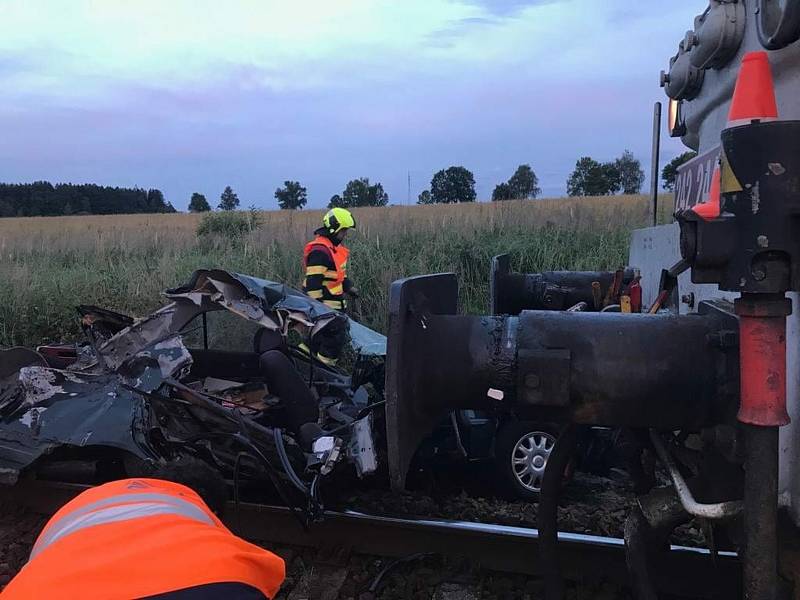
column 191, row 96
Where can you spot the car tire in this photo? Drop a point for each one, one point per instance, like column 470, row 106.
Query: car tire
column 522, row 449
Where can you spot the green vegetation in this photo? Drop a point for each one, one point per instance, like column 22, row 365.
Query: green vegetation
column 228, row 200
column 523, row 184
column 359, row 192
column 292, row 196
column 42, row 198
column 228, row 225
column 51, row 265
column 198, row 203
column 451, row 185
column 670, row 172
column 590, row 178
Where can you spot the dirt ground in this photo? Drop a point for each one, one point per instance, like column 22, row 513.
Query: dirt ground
column 591, row 504
column 18, row 531
column 423, row 577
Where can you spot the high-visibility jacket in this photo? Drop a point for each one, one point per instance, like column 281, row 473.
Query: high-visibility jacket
column 325, row 266
column 138, row 538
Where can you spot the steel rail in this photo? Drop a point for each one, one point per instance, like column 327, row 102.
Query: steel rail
column 682, row 571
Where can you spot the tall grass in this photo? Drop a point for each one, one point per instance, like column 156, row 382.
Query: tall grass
column 48, row 265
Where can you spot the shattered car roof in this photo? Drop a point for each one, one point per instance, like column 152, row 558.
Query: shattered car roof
column 241, row 292
column 273, row 296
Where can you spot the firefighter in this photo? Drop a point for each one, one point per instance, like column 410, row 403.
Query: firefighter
column 144, row 538
column 325, row 261
column 325, row 264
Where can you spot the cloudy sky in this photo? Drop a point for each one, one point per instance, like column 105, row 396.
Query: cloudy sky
column 195, row 95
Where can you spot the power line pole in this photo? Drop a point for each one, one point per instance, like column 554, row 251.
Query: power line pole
column 408, row 199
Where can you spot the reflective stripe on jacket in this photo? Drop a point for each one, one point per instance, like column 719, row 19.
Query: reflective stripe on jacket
column 136, row 538
column 325, row 282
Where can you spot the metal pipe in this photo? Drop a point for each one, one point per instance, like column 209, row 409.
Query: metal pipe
column 762, row 410
column 718, row 510
column 655, row 159
column 761, row 513
column 547, row 517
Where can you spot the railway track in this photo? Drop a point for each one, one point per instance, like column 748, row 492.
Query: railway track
column 684, row 572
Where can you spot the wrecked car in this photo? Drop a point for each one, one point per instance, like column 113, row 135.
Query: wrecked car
column 223, row 374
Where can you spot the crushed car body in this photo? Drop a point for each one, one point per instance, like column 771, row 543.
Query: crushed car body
column 196, row 380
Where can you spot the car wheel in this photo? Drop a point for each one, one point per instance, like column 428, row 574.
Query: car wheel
column 522, row 449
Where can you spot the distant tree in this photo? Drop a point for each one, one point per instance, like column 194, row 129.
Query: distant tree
column 156, row 203
column 524, row 183
column 228, row 200
column 6, row 210
column 425, row 197
column 670, row 171
column 198, row 203
column 590, row 178
column 454, row 184
column 291, row 196
column 359, row 192
column 613, row 178
column 631, row 175
column 502, row 191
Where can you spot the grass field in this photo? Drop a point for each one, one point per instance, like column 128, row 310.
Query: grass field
column 48, row 265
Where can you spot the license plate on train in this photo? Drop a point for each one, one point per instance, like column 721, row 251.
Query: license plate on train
column 694, row 179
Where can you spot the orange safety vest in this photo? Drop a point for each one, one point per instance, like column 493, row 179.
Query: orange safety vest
column 334, row 280
column 135, row 538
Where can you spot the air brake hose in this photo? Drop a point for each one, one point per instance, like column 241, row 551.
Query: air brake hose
column 547, row 517
column 287, row 466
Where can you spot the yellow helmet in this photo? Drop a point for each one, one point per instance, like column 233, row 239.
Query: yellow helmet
column 337, row 219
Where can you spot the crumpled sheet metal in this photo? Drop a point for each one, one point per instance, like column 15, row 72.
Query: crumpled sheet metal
column 149, row 368
column 162, row 324
column 49, row 408
column 239, row 291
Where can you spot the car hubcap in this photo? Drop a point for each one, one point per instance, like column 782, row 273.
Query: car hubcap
column 529, row 458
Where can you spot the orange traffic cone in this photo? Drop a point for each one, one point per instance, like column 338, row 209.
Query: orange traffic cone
column 754, row 96
column 710, row 209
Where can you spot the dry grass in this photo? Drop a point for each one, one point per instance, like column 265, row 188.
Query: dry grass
column 100, row 232
column 50, row 264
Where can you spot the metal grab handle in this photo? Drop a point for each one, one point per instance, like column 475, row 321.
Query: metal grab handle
column 719, row 510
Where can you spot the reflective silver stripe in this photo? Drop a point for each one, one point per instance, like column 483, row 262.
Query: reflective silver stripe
column 136, row 506
column 93, row 506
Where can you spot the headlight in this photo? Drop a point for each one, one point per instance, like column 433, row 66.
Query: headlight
column 677, row 126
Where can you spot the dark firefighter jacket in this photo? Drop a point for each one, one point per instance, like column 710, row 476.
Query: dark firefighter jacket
column 326, row 272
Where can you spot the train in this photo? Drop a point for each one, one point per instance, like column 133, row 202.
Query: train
column 706, row 373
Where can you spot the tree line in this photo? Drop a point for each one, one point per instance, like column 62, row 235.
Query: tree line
column 450, row 185
column 43, row 199
column 457, row 184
